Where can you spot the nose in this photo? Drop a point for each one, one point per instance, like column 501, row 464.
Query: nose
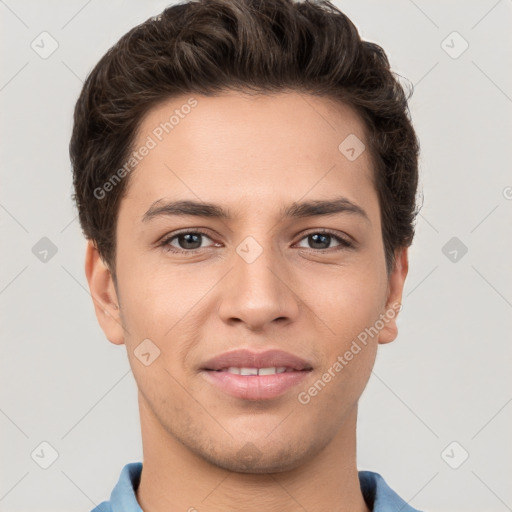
column 258, row 292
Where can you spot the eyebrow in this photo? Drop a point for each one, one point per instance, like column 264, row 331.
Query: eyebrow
column 161, row 208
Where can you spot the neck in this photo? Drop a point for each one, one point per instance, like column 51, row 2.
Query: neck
column 176, row 478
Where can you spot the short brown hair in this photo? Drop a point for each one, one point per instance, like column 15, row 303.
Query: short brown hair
column 264, row 46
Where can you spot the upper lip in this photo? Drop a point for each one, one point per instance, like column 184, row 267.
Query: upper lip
column 244, row 358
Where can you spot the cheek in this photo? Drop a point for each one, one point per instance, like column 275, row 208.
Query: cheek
column 349, row 305
column 168, row 308
column 154, row 296
column 348, row 302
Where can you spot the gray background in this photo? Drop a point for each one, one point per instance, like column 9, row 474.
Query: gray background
column 445, row 379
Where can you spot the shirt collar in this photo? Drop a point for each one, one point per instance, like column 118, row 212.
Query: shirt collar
column 378, row 495
column 123, row 497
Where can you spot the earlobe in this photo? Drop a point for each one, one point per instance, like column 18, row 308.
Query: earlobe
column 104, row 296
column 394, row 298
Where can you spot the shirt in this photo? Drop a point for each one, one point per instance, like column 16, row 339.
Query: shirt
column 378, row 495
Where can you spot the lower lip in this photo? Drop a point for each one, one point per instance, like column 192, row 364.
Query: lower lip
column 255, row 387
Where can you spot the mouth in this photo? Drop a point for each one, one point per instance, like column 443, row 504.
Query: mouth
column 247, row 361
column 249, row 375
column 272, row 370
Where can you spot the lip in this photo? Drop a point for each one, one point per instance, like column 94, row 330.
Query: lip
column 255, row 387
column 244, row 358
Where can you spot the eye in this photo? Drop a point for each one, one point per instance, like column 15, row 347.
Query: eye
column 189, row 242
column 186, row 241
column 319, row 239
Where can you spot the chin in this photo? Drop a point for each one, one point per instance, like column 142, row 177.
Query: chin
column 253, row 459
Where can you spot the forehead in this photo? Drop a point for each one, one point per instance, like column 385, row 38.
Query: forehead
column 240, row 146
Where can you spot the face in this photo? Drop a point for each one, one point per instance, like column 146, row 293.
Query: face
column 271, row 274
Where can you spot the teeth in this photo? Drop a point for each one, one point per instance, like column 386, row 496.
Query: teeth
column 248, row 371
column 258, row 371
column 267, row 371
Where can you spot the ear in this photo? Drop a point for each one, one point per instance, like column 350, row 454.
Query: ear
column 396, row 282
column 104, row 296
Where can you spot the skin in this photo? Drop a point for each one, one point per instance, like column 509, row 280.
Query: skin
column 254, row 155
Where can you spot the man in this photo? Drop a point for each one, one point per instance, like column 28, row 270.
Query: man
column 245, row 173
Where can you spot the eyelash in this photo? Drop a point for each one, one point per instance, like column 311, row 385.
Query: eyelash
column 165, row 243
